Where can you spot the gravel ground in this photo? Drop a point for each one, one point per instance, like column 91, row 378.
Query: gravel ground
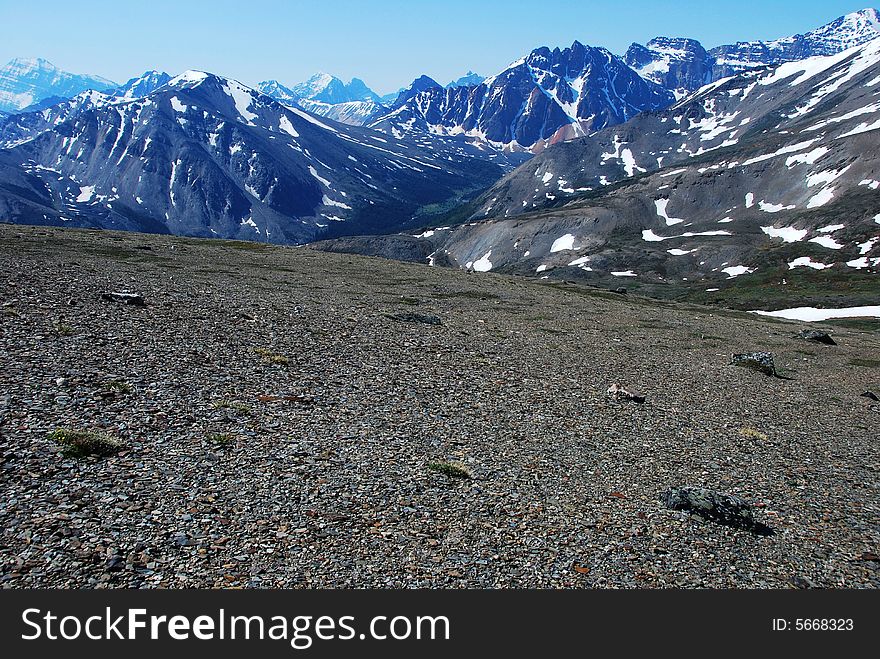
column 241, row 470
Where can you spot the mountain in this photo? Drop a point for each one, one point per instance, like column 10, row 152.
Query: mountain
column 763, row 183
column 326, row 88
column 545, row 97
column 24, row 82
column 328, row 96
column 676, row 63
column 206, row 156
column 143, row 85
column 684, row 65
column 470, row 79
column 416, row 87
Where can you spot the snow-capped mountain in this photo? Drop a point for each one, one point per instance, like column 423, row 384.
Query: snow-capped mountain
column 328, row 96
column 24, row 82
column 326, row 88
column 766, row 177
column 142, row 85
column 470, row 79
column 545, row 97
column 206, row 156
column 683, row 64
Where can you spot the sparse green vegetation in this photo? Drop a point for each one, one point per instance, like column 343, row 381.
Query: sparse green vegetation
column 63, row 329
column 272, row 357
column 867, row 363
column 222, row 439
column 227, row 404
column 451, row 469
column 82, row 443
column 118, row 387
column 751, row 433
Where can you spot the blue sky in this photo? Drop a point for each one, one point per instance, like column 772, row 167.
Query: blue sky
column 387, row 43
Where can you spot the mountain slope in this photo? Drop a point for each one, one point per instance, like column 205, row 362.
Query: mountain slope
column 543, row 98
column 327, row 96
column 206, row 156
column 24, row 82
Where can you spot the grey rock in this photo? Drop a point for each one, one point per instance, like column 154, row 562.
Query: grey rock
column 758, row 361
column 871, row 395
column 717, row 507
column 133, row 299
column 817, row 336
column 620, row 393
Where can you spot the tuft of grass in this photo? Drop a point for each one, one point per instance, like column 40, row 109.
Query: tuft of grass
column 751, row 433
column 63, row 329
column 227, row 404
column 222, row 439
column 9, row 311
column 82, row 443
column 272, row 357
column 451, row 469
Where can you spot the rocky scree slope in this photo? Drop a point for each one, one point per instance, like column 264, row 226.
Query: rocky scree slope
column 242, row 469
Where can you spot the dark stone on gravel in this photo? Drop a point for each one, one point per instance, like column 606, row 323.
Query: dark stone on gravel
column 620, row 290
column 133, row 299
column 620, row 393
column 114, row 563
column 758, row 361
column 817, row 336
column 871, row 395
column 412, row 317
column 717, row 507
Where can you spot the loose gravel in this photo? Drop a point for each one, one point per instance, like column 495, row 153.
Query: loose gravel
column 281, row 427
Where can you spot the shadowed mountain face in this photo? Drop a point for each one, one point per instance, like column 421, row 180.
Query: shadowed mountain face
column 684, row 65
column 771, row 174
column 548, row 96
column 206, row 156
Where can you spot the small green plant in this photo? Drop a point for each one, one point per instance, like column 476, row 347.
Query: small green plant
column 227, row 404
column 82, row 443
column 63, row 329
column 451, row 469
column 221, row 439
column 9, row 311
column 272, row 357
column 751, row 433
column 118, row 387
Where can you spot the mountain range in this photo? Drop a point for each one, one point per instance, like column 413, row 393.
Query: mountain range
column 684, row 65
column 24, row 82
column 764, row 182
column 673, row 168
column 204, row 155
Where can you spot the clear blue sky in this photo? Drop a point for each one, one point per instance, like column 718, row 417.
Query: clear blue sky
column 387, row 43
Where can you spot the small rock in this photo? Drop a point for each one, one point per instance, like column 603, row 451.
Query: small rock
column 871, row 395
column 620, row 289
column 714, row 506
column 133, row 299
column 817, row 336
column 115, row 563
column 620, row 393
column 758, row 361
column 412, row 317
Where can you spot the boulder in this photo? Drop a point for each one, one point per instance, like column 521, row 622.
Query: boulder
column 758, row 361
column 717, row 507
column 817, row 336
column 133, row 299
column 620, row 393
